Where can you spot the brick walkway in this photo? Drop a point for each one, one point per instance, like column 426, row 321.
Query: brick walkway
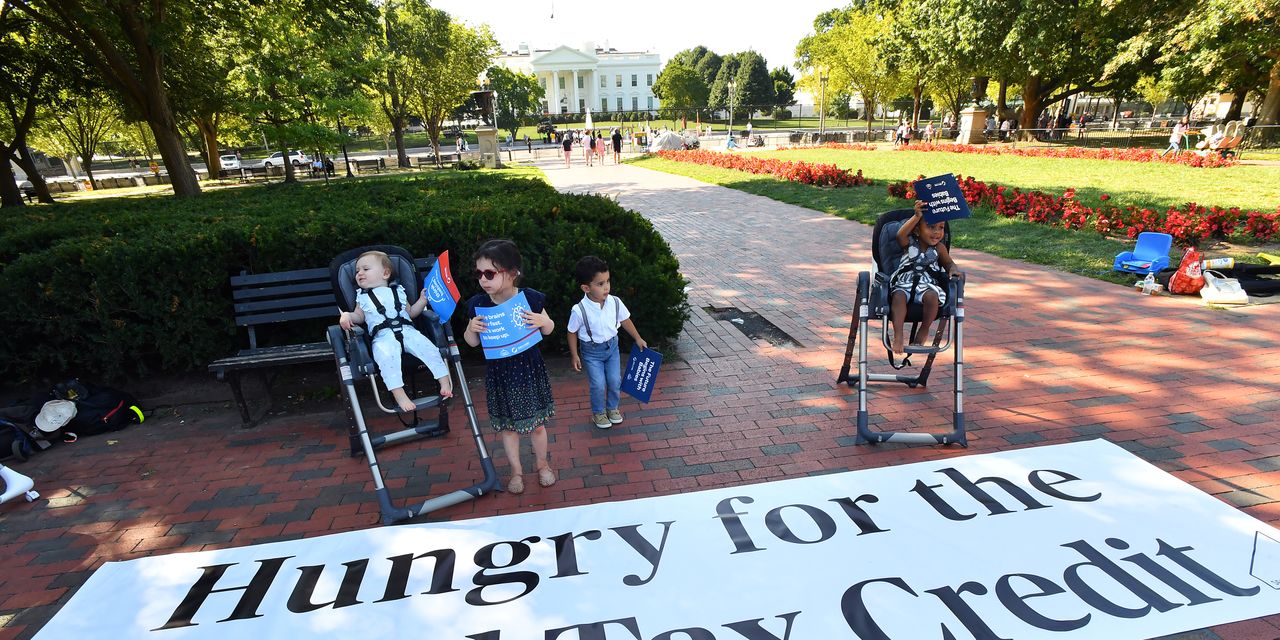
column 1049, row 358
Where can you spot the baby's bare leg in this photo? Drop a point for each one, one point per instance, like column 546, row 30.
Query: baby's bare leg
column 927, row 316
column 898, row 314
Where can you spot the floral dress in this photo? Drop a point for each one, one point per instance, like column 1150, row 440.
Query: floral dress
column 517, row 388
column 919, row 272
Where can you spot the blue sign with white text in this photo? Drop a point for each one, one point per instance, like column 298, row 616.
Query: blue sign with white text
column 642, row 373
column 943, row 198
column 505, row 331
column 442, row 293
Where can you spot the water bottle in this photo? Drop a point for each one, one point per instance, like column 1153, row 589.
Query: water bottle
column 1149, row 284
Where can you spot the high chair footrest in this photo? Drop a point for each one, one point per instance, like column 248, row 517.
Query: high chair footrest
column 425, row 402
column 919, row 348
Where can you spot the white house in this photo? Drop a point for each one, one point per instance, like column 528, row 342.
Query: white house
column 589, row 77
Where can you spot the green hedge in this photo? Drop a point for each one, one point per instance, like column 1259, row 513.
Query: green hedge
column 126, row 287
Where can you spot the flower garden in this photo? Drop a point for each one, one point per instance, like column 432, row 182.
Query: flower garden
column 823, row 175
column 1189, row 159
column 1190, row 224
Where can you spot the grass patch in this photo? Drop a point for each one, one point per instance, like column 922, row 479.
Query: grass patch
column 1143, row 184
column 1081, row 252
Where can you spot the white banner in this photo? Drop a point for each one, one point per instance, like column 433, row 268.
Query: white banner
column 1076, row 540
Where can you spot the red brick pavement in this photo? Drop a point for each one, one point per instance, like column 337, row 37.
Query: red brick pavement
column 1050, row 358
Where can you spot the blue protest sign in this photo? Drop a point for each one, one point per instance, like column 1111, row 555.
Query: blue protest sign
column 642, row 373
column 505, row 331
column 442, row 293
column 943, row 197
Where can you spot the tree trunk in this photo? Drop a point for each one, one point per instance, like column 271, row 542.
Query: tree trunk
column 209, row 132
column 87, row 165
column 290, row 176
column 1031, row 102
column 916, row 91
column 169, row 142
column 10, row 194
column 1269, row 112
column 28, row 164
column 1002, row 102
column 1237, row 103
column 402, row 155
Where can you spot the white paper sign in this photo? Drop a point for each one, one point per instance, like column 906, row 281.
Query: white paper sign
column 1079, row 540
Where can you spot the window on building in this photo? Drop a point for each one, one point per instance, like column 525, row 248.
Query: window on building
column 604, row 104
column 635, row 103
column 634, row 79
column 581, row 80
column 619, row 101
column 617, row 80
column 561, row 83
column 648, row 80
column 650, row 103
column 543, row 82
column 604, row 81
column 582, row 105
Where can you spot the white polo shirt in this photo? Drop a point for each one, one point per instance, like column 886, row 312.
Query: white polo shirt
column 604, row 319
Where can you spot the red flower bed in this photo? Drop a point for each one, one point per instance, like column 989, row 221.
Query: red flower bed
column 824, row 175
column 1189, row 225
column 1190, row 159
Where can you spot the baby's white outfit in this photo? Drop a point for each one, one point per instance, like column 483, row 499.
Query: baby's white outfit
column 386, row 349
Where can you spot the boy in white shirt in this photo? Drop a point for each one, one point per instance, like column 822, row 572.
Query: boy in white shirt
column 593, row 339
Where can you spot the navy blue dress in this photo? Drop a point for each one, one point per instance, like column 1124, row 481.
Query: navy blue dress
column 517, row 388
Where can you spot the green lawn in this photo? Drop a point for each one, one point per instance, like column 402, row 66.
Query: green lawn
column 1082, row 252
column 1144, row 184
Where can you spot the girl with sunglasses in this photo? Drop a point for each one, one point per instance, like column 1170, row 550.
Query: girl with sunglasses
column 516, row 388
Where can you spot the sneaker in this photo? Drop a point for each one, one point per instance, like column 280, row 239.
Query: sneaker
column 601, row 420
column 615, row 416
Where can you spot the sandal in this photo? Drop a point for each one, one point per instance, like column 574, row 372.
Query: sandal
column 546, row 477
column 516, row 485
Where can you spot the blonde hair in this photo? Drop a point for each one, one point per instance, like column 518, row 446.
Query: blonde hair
column 381, row 256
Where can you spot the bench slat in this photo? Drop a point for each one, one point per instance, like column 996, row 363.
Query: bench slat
column 283, row 291
column 279, row 276
column 285, row 316
column 273, row 356
column 288, row 304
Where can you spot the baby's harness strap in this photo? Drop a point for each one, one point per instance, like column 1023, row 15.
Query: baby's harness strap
column 393, row 321
column 586, row 324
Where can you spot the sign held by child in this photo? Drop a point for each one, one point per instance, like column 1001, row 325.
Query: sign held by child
column 944, row 198
column 506, row 333
column 442, row 293
column 642, row 373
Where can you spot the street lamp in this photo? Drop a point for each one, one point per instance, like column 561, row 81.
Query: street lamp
column 822, row 99
column 732, row 87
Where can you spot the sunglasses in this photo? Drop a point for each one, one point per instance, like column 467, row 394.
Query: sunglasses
column 488, row 274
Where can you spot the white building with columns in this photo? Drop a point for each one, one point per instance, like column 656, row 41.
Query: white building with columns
column 588, row 77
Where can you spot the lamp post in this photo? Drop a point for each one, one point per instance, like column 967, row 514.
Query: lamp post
column 732, row 86
column 822, row 106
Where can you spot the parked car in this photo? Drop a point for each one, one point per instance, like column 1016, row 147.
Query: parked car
column 297, row 158
column 230, row 162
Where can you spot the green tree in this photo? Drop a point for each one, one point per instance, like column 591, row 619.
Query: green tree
column 681, row 88
column 705, row 61
column 754, row 85
column 132, row 44
column 439, row 85
column 519, row 96
column 718, row 99
column 847, row 51
column 295, row 63
column 77, row 123
column 784, row 87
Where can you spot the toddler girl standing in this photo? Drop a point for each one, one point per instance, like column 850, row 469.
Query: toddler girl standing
column 516, row 388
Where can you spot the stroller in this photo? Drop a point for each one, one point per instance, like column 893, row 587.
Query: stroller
column 872, row 303
column 352, row 353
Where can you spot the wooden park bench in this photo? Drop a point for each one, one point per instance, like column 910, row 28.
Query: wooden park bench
column 429, row 160
column 374, row 163
column 271, row 299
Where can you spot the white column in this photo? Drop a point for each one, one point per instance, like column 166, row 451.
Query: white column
column 595, row 88
column 575, row 92
column 555, row 92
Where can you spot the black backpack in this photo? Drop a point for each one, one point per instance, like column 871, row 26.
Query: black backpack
column 99, row 409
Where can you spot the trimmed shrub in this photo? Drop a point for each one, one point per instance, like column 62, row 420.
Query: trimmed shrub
column 120, row 287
